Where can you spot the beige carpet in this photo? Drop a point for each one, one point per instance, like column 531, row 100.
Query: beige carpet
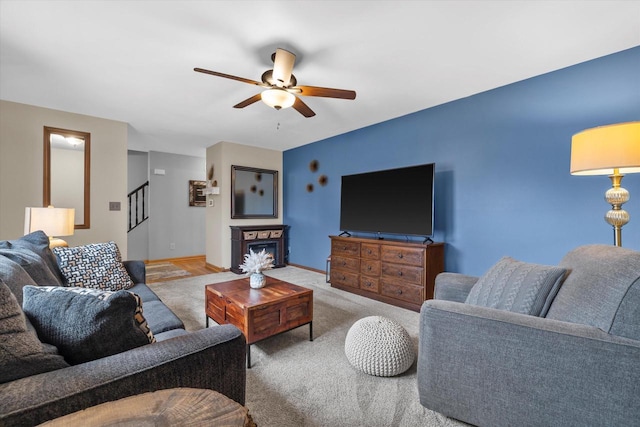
column 295, row 382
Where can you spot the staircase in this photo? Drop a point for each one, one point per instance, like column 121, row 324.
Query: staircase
column 138, row 211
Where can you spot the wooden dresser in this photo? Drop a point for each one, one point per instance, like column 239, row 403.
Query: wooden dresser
column 396, row 272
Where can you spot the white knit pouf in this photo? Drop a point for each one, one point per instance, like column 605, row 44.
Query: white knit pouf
column 379, row 346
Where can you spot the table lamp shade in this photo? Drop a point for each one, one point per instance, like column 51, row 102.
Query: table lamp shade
column 600, row 150
column 53, row 221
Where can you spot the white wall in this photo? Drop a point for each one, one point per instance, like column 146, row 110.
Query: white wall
column 172, row 222
column 218, row 217
column 21, row 170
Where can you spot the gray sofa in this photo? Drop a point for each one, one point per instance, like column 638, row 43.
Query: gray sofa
column 578, row 366
column 213, row 358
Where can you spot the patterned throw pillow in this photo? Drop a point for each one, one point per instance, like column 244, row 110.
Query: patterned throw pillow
column 518, row 286
column 96, row 265
column 86, row 324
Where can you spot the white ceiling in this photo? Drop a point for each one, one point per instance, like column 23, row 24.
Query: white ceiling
column 133, row 61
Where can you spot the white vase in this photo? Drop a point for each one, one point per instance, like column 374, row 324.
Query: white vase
column 257, row 280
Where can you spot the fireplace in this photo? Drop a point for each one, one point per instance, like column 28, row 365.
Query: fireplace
column 269, row 247
column 272, row 238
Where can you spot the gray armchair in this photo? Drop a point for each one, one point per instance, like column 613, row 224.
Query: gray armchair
column 579, row 366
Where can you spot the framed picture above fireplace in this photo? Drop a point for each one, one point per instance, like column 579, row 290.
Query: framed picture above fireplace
column 254, row 192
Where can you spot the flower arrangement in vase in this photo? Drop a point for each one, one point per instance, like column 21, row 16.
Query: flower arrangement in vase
column 253, row 264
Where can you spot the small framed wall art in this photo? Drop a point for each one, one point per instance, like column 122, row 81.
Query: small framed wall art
column 196, row 193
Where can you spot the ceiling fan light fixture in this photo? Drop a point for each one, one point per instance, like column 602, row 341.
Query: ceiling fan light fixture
column 278, row 98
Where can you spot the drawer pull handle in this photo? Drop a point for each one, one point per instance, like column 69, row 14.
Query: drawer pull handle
column 344, row 263
column 399, row 292
column 369, row 251
column 368, row 267
column 399, row 273
column 400, row 256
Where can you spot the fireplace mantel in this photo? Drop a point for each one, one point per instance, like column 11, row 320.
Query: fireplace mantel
column 257, row 237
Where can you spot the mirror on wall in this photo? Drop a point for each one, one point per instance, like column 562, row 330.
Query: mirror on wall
column 254, row 192
column 67, row 172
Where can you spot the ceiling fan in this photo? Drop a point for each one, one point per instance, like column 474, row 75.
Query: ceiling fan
column 281, row 86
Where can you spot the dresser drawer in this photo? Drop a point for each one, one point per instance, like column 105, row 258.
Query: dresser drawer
column 344, row 278
column 370, row 267
column 406, row 273
column 371, row 284
column 345, row 263
column 370, row 251
column 402, row 291
column 407, row 256
column 340, row 247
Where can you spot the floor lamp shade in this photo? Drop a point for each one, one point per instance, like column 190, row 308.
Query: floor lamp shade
column 611, row 150
column 53, row 221
column 601, row 150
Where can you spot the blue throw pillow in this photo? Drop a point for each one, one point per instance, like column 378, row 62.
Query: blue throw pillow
column 86, row 324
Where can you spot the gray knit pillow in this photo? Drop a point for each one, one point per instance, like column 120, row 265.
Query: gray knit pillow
column 86, row 324
column 21, row 352
column 518, row 286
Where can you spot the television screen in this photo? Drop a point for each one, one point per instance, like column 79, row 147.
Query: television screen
column 394, row 201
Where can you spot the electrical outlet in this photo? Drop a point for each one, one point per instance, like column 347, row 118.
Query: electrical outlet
column 172, row 246
column 114, row 206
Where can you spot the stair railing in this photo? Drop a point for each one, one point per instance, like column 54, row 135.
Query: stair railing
column 137, row 203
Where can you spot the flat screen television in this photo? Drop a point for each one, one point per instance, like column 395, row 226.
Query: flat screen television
column 393, row 201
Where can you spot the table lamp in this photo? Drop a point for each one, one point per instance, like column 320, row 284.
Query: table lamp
column 609, row 150
column 53, row 221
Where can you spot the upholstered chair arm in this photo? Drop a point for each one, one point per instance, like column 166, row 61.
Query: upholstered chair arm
column 137, row 270
column 453, row 286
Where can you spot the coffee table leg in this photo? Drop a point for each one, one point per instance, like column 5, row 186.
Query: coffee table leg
column 248, row 356
column 207, row 317
column 310, row 331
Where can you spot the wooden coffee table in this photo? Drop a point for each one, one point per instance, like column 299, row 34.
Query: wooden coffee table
column 259, row 313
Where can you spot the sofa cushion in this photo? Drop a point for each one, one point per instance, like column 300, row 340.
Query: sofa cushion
column 21, row 353
column 14, row 276
column 96, row 265
column 86, row 324
column 517, row 286
column 160, row 317
column 602, row 289
column 32, row 253
column 144, row 292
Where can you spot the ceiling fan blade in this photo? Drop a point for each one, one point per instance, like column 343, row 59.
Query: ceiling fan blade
column 303, row 108
column 283, row 67
column 325, row 92
column 228, row 76
column 248, row 101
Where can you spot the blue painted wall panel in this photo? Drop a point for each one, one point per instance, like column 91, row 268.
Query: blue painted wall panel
column 502, row 157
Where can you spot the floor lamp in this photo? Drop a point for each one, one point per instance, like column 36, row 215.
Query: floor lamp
column 609, row 150
column 53, row 221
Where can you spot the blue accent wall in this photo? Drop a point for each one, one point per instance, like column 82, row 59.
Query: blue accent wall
column 502, row 184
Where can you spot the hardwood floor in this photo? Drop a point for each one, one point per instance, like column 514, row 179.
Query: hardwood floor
column 194, row 265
